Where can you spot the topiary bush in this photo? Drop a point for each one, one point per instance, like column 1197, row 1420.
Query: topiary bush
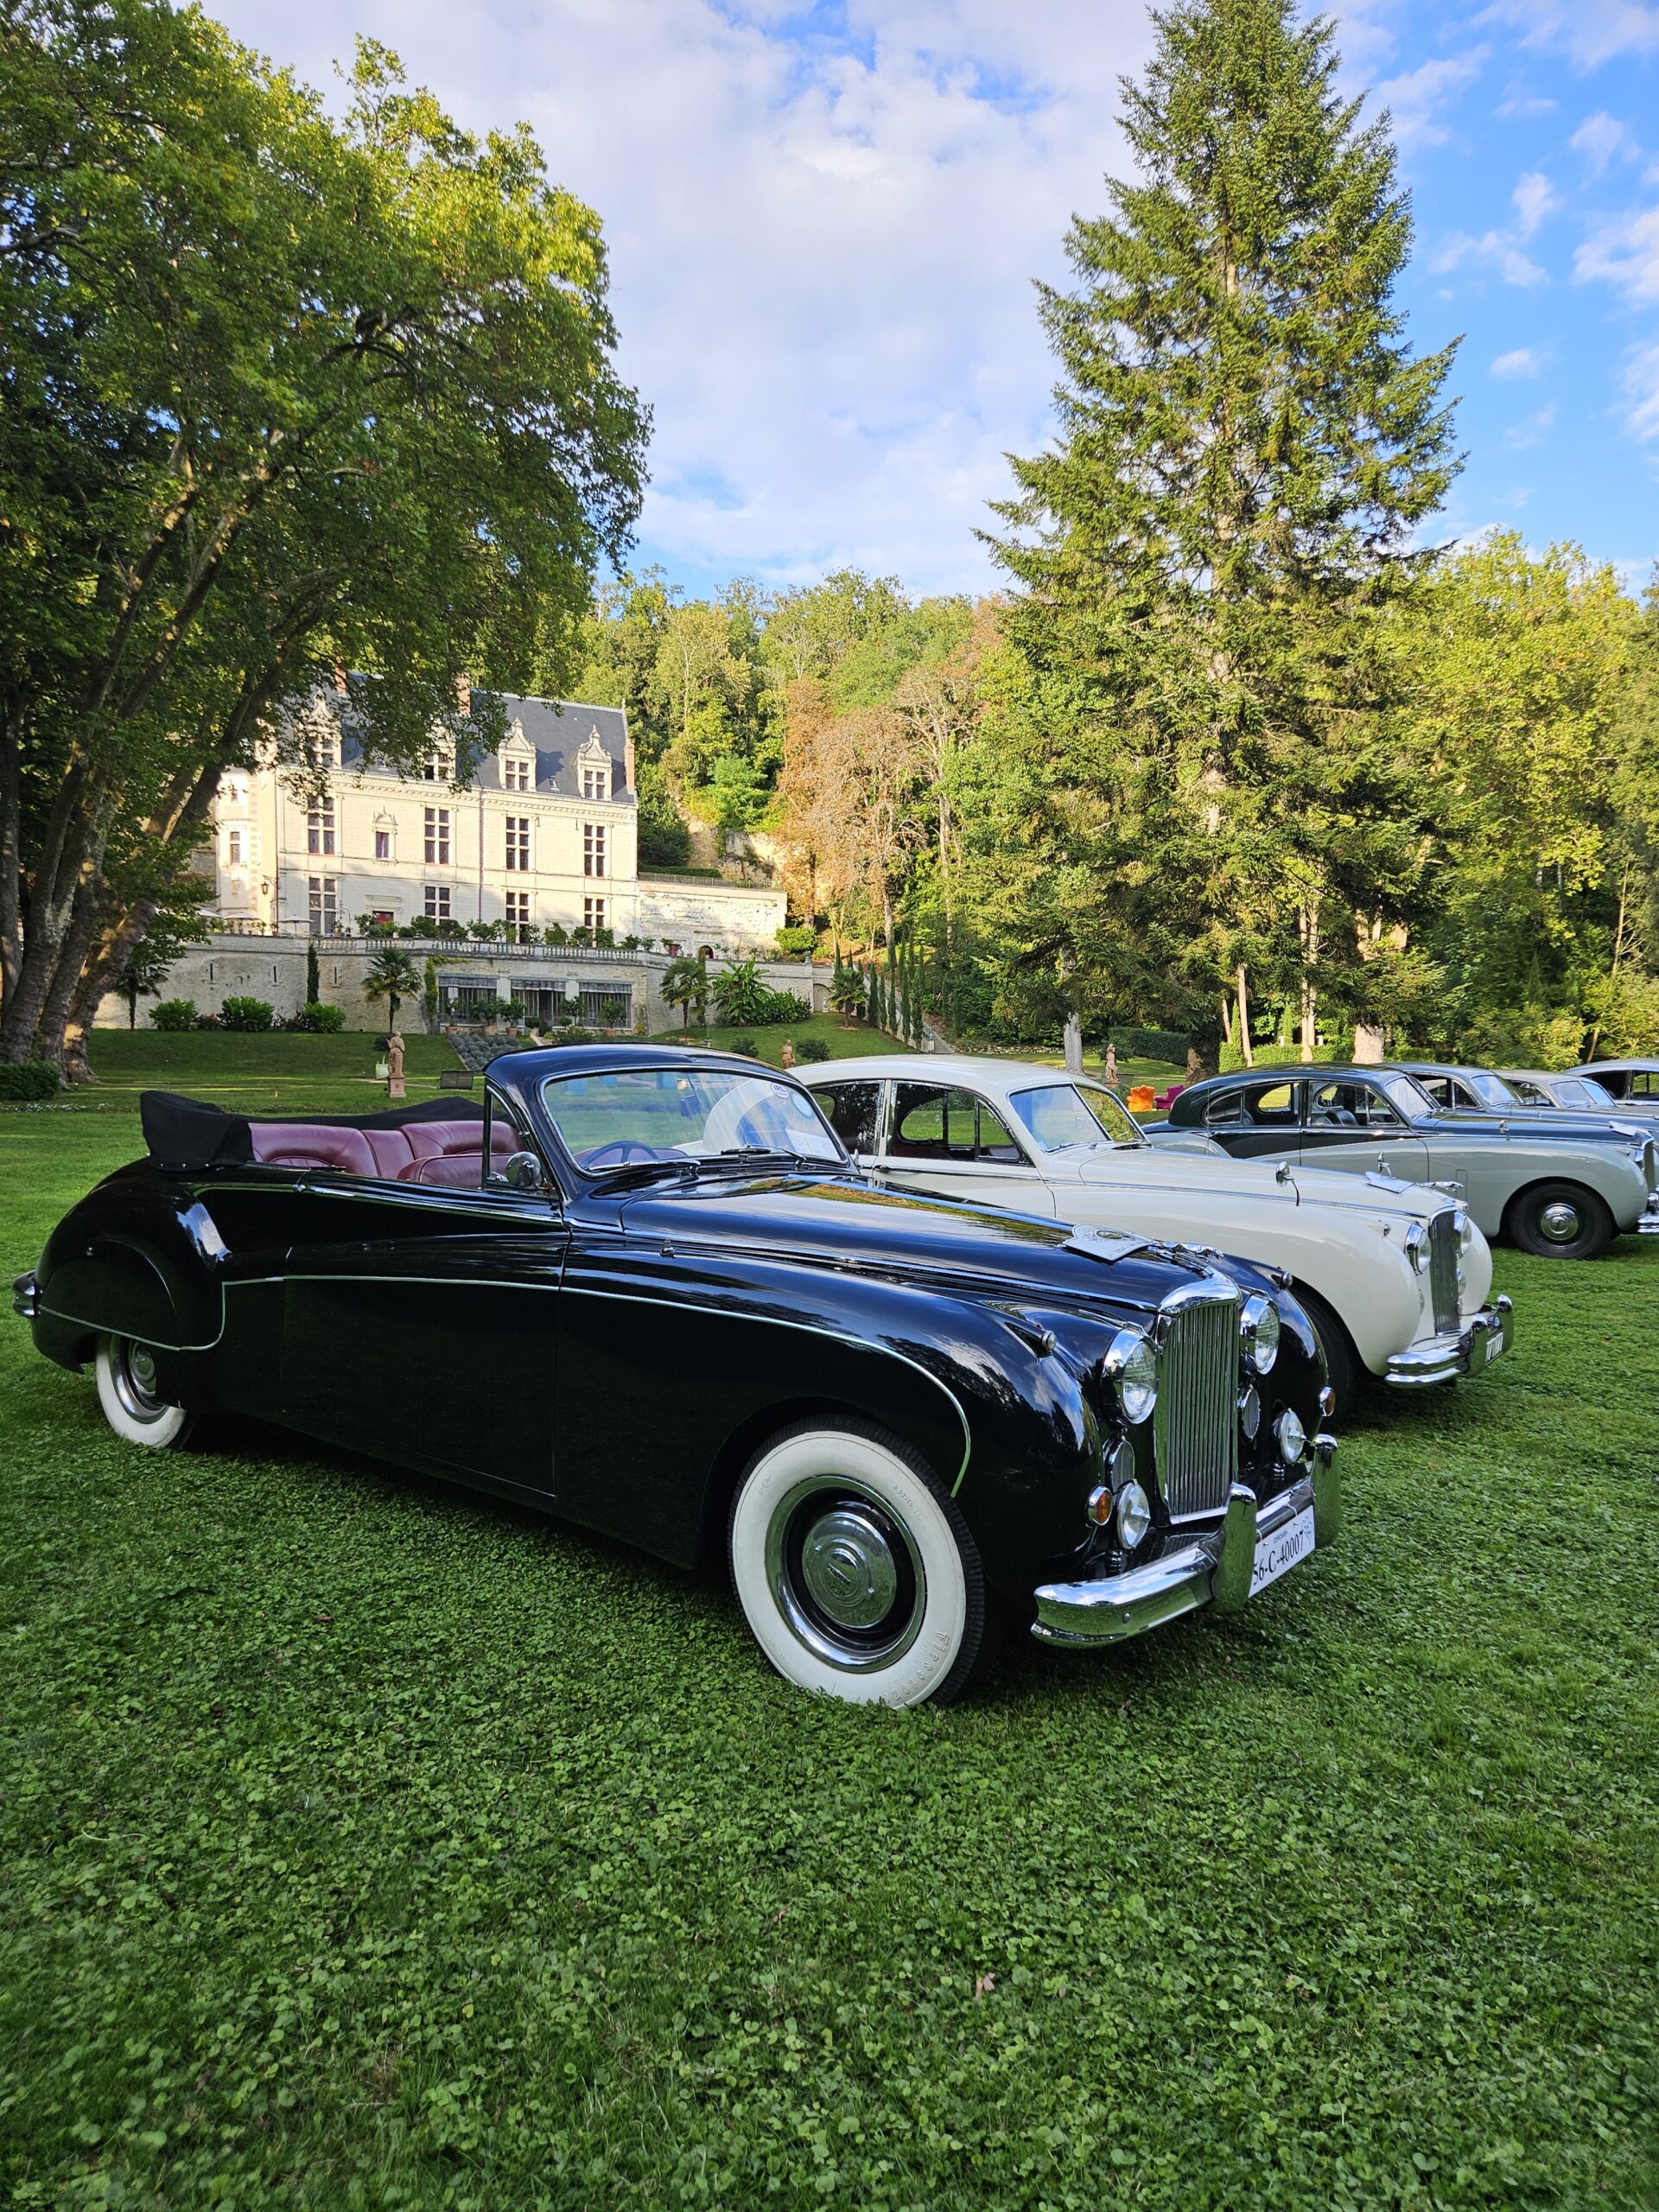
column 246, row 1014
column 316, row 1019
column 745, row 1046
column 175, row 1014
column 812, row 1048
column 28, row 1083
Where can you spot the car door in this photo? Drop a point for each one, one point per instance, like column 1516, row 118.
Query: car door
column 953, row 1143
column 419, row 1317
column 1257, row 1120
column 1349, row 1124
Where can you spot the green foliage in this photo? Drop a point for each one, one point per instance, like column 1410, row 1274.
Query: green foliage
column 741, row 993
column 25, row 1082
column 315, row 1019
column 246, row 1014
column 809, row 1049
column 313, row 976
column 285, row 394
column 746, row 1046
column 685, row 984
column 392, row 976
column 174, row 1015
column 796, row 940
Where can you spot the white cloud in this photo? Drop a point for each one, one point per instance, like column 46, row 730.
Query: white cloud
column 1498, row 247
column 1524, row 361
column 1598, row 138
column 1415, row 99
column 1526, row 105
column 1533, row 431
column 1534, row 197
column 1622, row 250
column 822, row 246
column 1642, row 392
column 1589, row 32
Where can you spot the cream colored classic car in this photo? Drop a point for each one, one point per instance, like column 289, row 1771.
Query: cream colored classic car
column 1395, row 1276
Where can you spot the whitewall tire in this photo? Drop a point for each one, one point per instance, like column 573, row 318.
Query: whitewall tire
column 132, row 1403
column 855, row 1570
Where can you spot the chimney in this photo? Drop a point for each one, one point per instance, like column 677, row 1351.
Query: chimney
column 464, row 693
column 339, row 679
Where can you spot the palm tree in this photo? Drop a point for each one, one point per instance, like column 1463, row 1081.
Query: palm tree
column 847, row 994
column 393, row 976
column 685, row 984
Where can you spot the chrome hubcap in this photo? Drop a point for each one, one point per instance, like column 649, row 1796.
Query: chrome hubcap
column 847, row 1568
column 133, row 1367
column 845, row 1573
column 1559, row 1221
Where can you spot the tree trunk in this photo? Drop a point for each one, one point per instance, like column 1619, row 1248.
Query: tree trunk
column 1307, row 931
column 11, row 830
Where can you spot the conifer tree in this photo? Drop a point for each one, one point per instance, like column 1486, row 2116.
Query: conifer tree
column 1246, row 445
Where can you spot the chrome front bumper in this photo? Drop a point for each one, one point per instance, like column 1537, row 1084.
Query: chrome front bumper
column 25, row 1296
column 1442, row 1359
column 1214, row 1569
column 1649, row 1224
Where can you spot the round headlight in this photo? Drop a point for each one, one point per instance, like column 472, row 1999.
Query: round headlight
column 1134, row 1516
column 1120, row 1463
column 1131, row 1367
column 1465, row 1229
column 1417, row 1246
column 1292, row 1437
column 1258, row 1324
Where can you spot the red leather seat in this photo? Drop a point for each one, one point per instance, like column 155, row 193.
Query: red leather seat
column 459, row 1143
column 301, row 1144
column 393, row 1155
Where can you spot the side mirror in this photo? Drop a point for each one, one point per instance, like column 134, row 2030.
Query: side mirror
column 522, row 1171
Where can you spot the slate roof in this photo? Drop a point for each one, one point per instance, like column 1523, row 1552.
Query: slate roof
column 558, row 729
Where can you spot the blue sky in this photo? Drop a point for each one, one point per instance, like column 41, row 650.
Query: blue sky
column 823, row 223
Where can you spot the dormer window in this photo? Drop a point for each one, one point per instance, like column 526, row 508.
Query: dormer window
column 439, row 766
column 324, row 749
column 594, row 769
column 515, row 771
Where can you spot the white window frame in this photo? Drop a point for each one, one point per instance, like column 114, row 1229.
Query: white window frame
column 593, row 844
column 322, row 908
column 437, row 902
column 593, row 914
column 436, row 831
column 518, row 847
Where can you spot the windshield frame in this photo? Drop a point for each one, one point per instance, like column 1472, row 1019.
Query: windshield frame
column 1077, row 1085
column 836, row 1162
column 1386, row 1078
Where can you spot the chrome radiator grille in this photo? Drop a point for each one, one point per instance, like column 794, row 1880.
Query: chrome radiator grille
column 1195, row 1424
column 1443, row 1270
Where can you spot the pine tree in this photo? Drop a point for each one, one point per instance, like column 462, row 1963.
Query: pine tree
column 1246, row 445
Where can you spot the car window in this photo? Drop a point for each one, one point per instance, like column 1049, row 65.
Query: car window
column 630, row 1116
column 1349, row 1105
column 1531, row 1094
column 932, row 1122
column 1589, row 1092
column 1255, row 1106
column 1643, row 1085
column 1491, row 1089
column 1440, row 1089
column 855, row 1112
column 1062, row 1114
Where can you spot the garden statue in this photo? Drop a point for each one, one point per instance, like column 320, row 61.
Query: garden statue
column 1111, row 1065
column 787, row 1056
column 395, row 1066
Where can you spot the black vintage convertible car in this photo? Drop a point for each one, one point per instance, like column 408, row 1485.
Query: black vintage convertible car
column 900, row 1416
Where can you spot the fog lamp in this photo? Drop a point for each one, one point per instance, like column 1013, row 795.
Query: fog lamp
column 1465, row 1229
column 1249, row 1411
column 1258, row 1324
column 1131, row 1367
column 1134, row 1516
column 1292, row 1437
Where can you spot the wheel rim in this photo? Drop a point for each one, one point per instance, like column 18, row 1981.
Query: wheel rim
column 845, row 1573
column 132, row 1368
column 1559, row 1221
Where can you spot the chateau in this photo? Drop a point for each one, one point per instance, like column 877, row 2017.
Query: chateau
column 542, row 831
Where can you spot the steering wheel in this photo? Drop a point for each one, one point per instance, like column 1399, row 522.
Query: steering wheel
column 623, row 1152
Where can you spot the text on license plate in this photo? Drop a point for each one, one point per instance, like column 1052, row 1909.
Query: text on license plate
column 1276, row 1553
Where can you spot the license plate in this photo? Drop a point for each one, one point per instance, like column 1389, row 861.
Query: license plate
column 1277, row 1553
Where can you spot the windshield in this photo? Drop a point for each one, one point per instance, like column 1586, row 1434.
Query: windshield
column 631, row 1117
column 1582, row 1091
column 1490, row 1090
column 1064, row 1114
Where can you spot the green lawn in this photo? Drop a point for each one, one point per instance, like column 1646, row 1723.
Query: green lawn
column 366, row 1843
column 266, row 1074
column 844, row 1044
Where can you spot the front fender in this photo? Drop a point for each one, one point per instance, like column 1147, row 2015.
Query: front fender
column 137, row 1257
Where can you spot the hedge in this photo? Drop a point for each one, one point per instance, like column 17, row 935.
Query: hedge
column 1167, row 1045
column 27, row 1082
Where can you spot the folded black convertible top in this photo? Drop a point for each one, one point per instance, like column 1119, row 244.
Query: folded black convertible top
column 192, row 1133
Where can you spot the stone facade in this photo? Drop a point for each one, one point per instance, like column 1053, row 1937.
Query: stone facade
column 543, row 830
column 597, row 989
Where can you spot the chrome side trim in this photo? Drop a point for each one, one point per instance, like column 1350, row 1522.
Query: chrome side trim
column 807, row 1328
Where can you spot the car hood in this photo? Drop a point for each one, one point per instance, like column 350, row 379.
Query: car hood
column 1533, row 1121
column 846, row 1223
column 1215, row 1175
